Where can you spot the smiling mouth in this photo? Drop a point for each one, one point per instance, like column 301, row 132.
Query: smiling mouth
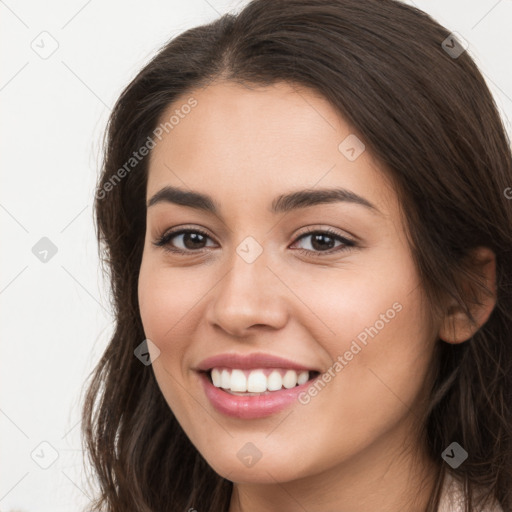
column 258, row 381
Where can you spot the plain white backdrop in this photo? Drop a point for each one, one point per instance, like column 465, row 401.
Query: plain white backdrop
column 63, row 64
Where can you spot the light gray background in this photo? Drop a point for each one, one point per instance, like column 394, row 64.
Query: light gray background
column 55, row 314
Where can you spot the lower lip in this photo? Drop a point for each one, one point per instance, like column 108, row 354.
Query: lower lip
column 251, row 407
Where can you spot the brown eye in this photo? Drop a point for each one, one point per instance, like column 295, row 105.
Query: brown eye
column 191, row 240
column 324, row 241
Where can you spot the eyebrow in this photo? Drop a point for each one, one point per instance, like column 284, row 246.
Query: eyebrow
column 283, row 203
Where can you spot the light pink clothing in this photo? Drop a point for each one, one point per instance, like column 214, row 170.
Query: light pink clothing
column 452, row 497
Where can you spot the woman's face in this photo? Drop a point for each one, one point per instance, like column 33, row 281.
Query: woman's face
column 328, row 286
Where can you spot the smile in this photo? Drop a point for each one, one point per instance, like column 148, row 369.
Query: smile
column 250, row 386
column 257, row 381
column 254, row 405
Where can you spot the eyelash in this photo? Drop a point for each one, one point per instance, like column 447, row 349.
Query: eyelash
column 347, row 244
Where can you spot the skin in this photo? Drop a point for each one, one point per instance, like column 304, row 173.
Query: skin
column 354, row 446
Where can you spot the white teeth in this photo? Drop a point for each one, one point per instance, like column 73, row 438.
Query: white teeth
column 274, row 381
column 225, row 381
column 290, row 379
column 257, row 381
column 302, row 378
column 216, row 378
column 238, row 381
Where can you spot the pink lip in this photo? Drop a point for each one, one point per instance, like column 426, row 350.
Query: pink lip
column 250, row 407
column 250, row 361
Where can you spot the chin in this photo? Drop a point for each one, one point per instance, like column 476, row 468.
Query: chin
column 267, row 470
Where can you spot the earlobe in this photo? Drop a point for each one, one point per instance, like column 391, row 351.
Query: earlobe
column 456, row 326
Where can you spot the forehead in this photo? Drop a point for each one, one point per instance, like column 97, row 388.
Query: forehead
column 260, row 141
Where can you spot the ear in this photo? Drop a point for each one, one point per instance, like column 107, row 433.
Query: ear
column 456, row 326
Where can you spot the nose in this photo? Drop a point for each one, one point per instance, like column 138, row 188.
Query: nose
column 249, row 297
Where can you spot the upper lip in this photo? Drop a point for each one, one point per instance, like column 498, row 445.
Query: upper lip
column 249, row 361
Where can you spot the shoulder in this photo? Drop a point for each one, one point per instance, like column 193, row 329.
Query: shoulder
column 452, row 497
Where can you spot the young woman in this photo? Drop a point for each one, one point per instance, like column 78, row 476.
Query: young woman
column 305, row 214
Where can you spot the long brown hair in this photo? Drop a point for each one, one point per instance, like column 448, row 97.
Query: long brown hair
column 428, row 117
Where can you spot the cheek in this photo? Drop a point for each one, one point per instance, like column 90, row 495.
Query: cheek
column 376, row 330
column 342, row 305
column 167, row 298
column 166, row 302
column 167, row 312
column 171, row 303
